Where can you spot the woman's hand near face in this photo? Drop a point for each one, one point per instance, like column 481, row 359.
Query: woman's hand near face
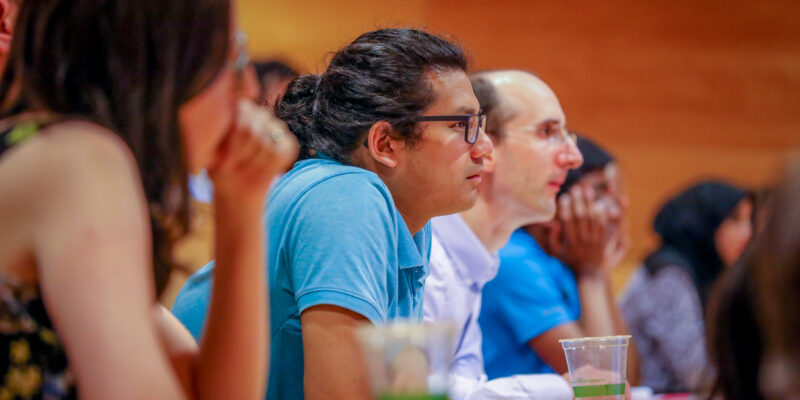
column 258, row 147
column 586, row 239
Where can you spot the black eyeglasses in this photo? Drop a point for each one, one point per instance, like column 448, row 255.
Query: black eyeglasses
column 473, row 123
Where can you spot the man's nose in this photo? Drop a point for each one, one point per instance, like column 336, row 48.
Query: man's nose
column 482, row 147
column 569, row 156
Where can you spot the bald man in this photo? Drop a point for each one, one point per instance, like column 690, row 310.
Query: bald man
column 532, row 155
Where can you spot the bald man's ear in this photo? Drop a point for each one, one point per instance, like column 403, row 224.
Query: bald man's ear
column 382, row 146
column 7, row 12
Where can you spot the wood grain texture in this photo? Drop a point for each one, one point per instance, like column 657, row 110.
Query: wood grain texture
column 677, row 90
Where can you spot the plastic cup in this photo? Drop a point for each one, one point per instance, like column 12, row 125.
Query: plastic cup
column 408, row 361
column 597, row 366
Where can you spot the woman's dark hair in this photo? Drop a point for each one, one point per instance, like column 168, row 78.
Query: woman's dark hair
column 774, row 261
column 381, row 76
column 127, row 66
column 686, row 225
column 735, row 342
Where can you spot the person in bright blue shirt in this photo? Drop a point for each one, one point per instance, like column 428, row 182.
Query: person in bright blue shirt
column 539, row 293
column 390, row 137
column 554, row 278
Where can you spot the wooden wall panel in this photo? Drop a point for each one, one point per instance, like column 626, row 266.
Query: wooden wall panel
column 678, row 90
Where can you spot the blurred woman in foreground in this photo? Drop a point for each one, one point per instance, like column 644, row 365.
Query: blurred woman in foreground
column 753, row 323
column 106, row 106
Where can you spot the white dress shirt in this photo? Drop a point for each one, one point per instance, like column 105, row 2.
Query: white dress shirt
column 459, row 268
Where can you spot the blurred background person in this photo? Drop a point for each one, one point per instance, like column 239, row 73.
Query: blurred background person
column 273, row 76
column 752, row 325
column 100, row 128
column 774, row 263
column 703, row 230
column 554, row 278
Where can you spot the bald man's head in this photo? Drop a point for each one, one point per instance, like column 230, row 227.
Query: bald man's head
column 503, row 94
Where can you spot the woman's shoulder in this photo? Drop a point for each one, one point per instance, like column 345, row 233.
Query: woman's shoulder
column 78, row 152
column 74, row 164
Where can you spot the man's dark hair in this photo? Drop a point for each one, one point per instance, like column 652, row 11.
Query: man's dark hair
column 498, row 112
column 127, row 66
column 595, row 158
column 274, row 68
column 381, row 76
column 491, row 106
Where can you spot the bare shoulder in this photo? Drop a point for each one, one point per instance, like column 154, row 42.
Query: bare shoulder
column 73, row 150
column 75, row 174
column 84, row 145
column 78, row 160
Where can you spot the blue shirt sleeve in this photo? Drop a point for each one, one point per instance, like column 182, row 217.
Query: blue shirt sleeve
column 342, row 246
column 527, row 298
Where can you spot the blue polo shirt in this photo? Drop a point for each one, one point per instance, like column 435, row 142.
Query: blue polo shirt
column 532, row 293
column 335, row 237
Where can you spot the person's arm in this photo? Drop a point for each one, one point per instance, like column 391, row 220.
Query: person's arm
column 531, row 387
column 468, row 381
column 233, row 359
column 585, row 240
column 338, row 253
column 92, row 246
column 334, row 364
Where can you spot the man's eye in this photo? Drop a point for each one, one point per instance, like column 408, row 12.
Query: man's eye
column 459, row 124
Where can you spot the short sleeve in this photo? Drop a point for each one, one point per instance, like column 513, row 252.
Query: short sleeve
column 341, row 245
column 524, row 296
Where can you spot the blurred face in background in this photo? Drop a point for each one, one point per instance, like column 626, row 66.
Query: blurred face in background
column 609, row 188
column 734, row 232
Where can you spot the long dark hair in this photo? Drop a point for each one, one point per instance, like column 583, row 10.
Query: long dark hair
column 378, row 77
column 775, row 267
column 127, row 66
column 735, row 342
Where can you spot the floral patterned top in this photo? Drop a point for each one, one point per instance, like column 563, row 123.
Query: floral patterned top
column 32, row 361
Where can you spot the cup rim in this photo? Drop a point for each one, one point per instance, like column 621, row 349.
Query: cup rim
column 594, row 338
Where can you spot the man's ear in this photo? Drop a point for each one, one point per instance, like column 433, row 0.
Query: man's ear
column 382, row 146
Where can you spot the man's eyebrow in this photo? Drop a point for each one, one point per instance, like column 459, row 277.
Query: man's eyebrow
column 466, row 110
column 550, row 121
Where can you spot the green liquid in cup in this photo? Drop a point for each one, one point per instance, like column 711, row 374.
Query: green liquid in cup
column 413, row 397
column 608, row 390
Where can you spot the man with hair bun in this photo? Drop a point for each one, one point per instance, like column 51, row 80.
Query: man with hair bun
column 391, row 136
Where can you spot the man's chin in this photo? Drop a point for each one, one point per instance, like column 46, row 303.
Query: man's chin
column 546, row 211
